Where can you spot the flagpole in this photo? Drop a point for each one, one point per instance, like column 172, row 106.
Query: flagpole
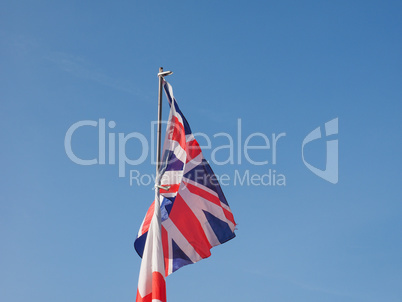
column 158, row 144
column 161, row 75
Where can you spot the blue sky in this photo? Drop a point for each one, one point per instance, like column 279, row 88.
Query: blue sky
column 67, row 230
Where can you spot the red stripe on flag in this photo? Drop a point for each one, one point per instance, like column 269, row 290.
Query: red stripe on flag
column 210, row 197
column 177, row 133
column 204, row 194
column 189, row 225
column 172, row 188
column 229, row 216
column 193, row 149
column 158, row 289
column 147, row 298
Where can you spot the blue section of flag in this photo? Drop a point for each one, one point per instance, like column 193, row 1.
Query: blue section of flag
column 220, row 228
column 204, row 175
column 139, row 244
column 173, row 163
column 179, row 257
column 166, row 207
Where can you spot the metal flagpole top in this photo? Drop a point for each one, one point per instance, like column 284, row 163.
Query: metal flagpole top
column 164, row 73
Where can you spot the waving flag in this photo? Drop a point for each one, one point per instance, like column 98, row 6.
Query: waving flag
column 195, row 215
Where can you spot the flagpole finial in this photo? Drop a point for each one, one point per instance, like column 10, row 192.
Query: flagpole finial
column 164, row 73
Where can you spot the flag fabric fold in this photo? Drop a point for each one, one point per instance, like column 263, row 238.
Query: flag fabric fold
column 194, row 213
column 151, row 282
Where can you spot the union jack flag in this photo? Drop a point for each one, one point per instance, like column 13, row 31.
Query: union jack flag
column 195, row 215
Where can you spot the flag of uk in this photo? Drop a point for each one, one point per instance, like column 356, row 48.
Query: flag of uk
column 194, row 212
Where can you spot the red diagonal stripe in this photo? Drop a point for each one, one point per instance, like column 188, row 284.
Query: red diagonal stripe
column 193, row 149
column 210, row 197
column 176, row 132
column 188, row 224
column 229, row 216
column 204, row 194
